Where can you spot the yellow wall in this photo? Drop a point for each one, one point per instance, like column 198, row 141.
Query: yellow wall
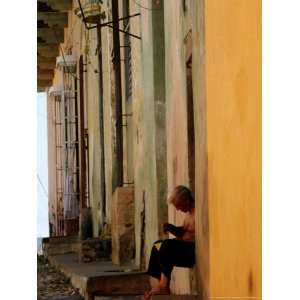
column 227, row 65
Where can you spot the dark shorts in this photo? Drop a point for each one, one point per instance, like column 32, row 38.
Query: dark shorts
column 166, row 254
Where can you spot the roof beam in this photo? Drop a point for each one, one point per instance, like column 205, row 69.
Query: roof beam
column 61, row 5
column 46, row 62
column 44, row 83
column 45, row 76
column 51, row 35
column 53, row 19
column 48, row 50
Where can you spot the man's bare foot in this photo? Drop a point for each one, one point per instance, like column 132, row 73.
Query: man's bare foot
column 157, row 291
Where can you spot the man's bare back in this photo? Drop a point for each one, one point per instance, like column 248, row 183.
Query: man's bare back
column 189, row 226
column 185, row 232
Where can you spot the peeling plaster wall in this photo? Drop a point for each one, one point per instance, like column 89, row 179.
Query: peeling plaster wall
column 127, row 103
column 177, row 26
column 154, row 163
column 138, row 129
column 227, row 64
column 147, row 149
column 108, row 119
column 93, row 106
column 151, row 220
column 80, row 42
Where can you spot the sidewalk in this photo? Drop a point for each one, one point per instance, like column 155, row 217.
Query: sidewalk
column 101, row 278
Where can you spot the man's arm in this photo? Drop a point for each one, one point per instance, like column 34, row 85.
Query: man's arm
column 178, row 231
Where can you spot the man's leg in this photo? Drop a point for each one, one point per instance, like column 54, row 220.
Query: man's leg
column 166, row 263
column 175, row 253
column 154, row 262
column 154, row 270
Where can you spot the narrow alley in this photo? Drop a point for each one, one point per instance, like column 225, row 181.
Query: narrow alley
column 146, row 98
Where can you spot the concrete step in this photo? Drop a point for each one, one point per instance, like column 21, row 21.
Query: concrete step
column 127, row 297
column 140, row 297
column 130, row 284
column 72, row 297
column 101, row 278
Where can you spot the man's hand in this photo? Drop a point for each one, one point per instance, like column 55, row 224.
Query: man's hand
column 177, row 231
column 167, row 227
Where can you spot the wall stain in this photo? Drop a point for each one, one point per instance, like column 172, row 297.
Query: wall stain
column 250, row 283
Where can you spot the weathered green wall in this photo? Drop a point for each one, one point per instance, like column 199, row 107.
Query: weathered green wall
column 93, row 102
column 144, row 138
column 109, row 120
column 154, row 168
column 138, row 129
column 146, row 148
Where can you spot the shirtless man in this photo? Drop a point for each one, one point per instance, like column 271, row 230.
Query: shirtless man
column 178, row 252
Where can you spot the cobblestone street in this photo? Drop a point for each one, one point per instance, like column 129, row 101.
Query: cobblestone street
column 51, row 283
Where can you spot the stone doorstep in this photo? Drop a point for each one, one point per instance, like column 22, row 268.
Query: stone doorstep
column 72, row 297
column 110, row 282
column 119, row 284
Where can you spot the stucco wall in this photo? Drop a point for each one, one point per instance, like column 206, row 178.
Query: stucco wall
column 148, row 148
column 93, row 106
column 177, row 26
column 227, row 64
column 154, row 163
column 138, row 129
column 82, row 42
column 108, row 118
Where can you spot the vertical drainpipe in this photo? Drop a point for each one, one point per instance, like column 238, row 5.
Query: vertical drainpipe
column 64, row 148
column 77, row 139
column 101, row 117
column 82, row 187
column 118, row 94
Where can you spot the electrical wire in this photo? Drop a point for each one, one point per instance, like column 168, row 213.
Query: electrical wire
column 43, row 187
column 87, row 43
column 147, row 8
